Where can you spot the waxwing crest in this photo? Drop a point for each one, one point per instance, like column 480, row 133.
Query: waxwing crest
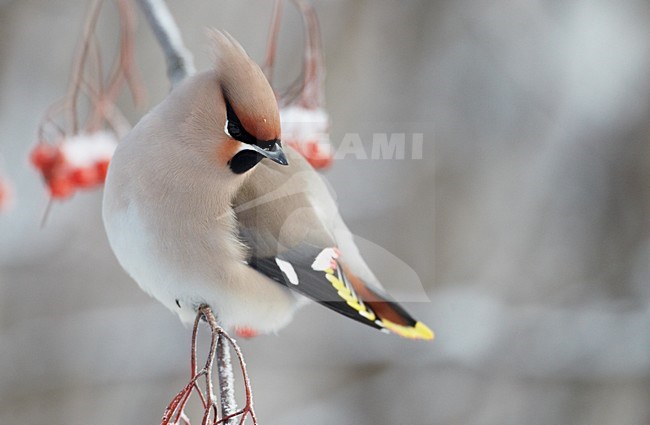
column 224, row 45
column 245, row 88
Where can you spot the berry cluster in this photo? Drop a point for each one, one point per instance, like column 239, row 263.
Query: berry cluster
column 317, row 154
column 80, row 162
column 306, row 130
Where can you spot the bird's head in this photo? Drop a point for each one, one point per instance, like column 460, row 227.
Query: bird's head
column 252, row 121
column 233, row 118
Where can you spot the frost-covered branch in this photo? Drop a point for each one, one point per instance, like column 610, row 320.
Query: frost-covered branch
column 226, row 381
column 179, row 60
column 220, row 345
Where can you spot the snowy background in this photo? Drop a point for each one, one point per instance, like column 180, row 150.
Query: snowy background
column 527, row 221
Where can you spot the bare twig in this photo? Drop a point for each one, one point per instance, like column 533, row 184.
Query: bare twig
column 179, row 59
column 77, row 74
column 101, row 95
column 272, row 45
column 124, row 71
column 307, row 90
column 313, row 96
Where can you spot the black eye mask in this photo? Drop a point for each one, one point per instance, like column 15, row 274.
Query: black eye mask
column 255, row 150
column 237, row 131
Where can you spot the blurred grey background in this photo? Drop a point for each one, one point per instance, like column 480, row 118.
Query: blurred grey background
column 527, row 221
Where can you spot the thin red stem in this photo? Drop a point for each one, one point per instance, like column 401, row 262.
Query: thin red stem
column 75, row 84
column 272, row 44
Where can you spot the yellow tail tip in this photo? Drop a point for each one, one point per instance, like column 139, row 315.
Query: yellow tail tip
column 423, row 331
column 419, row 331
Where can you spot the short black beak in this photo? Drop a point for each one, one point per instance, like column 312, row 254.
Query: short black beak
column 274, row 153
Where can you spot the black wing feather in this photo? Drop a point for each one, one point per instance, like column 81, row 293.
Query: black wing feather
column 311, row 283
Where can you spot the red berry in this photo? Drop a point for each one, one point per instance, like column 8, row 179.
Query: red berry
column 84, row 177
column 313, row 153
column 60, row 187
column 42, row 156
column 321, row 163
column 312, row 149
column 317, row 156
column 102, row 169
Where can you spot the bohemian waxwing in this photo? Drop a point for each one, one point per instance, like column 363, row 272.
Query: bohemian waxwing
column 202, row 206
